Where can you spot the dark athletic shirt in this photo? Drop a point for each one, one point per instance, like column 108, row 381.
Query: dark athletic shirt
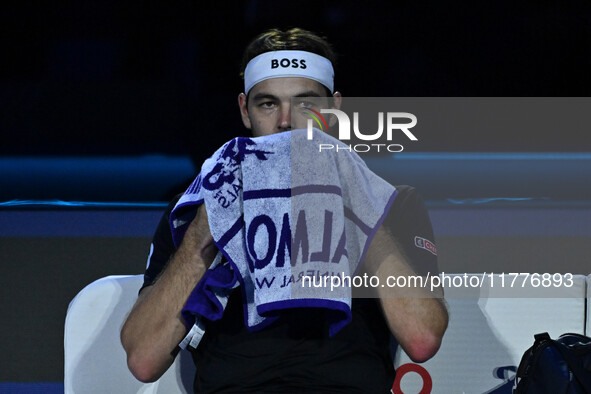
column 295, row 353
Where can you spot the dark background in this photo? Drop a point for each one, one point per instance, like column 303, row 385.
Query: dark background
column 134, row 77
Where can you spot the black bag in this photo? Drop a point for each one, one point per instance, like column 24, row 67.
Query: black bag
column 561, row 366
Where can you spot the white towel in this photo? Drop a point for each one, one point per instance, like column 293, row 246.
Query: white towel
column 280, row 210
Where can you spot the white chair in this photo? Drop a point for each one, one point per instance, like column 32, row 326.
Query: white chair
column 94, row 359
column 487, row 336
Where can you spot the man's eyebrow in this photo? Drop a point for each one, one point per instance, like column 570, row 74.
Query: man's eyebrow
column 265, row 96
column 308, row 94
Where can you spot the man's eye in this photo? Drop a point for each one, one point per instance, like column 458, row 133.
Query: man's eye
column 306, row 104
column 267, row 104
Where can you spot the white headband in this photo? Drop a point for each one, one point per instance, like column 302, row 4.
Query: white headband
column 281, row 64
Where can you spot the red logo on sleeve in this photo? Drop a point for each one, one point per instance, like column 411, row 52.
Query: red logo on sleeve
column 424, row 243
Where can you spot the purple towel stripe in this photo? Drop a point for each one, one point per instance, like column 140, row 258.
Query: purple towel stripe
column 328, row 189
column 228, row 235
column 349, row 214
column 266, row 193
column 286, row 193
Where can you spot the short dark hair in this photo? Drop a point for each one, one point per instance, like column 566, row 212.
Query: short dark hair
column 292, row 39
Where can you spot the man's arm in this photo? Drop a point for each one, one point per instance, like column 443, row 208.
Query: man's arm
column 417, row 318
column 155, row 327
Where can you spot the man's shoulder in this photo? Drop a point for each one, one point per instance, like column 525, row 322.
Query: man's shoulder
column 405, row 189
column 163, row 230
column 171, row 204
column 406, row 194
column 408, row 205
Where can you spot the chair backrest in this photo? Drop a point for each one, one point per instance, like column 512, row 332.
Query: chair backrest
column 94, row 358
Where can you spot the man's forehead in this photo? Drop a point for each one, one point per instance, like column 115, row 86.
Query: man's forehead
column 287, row 87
